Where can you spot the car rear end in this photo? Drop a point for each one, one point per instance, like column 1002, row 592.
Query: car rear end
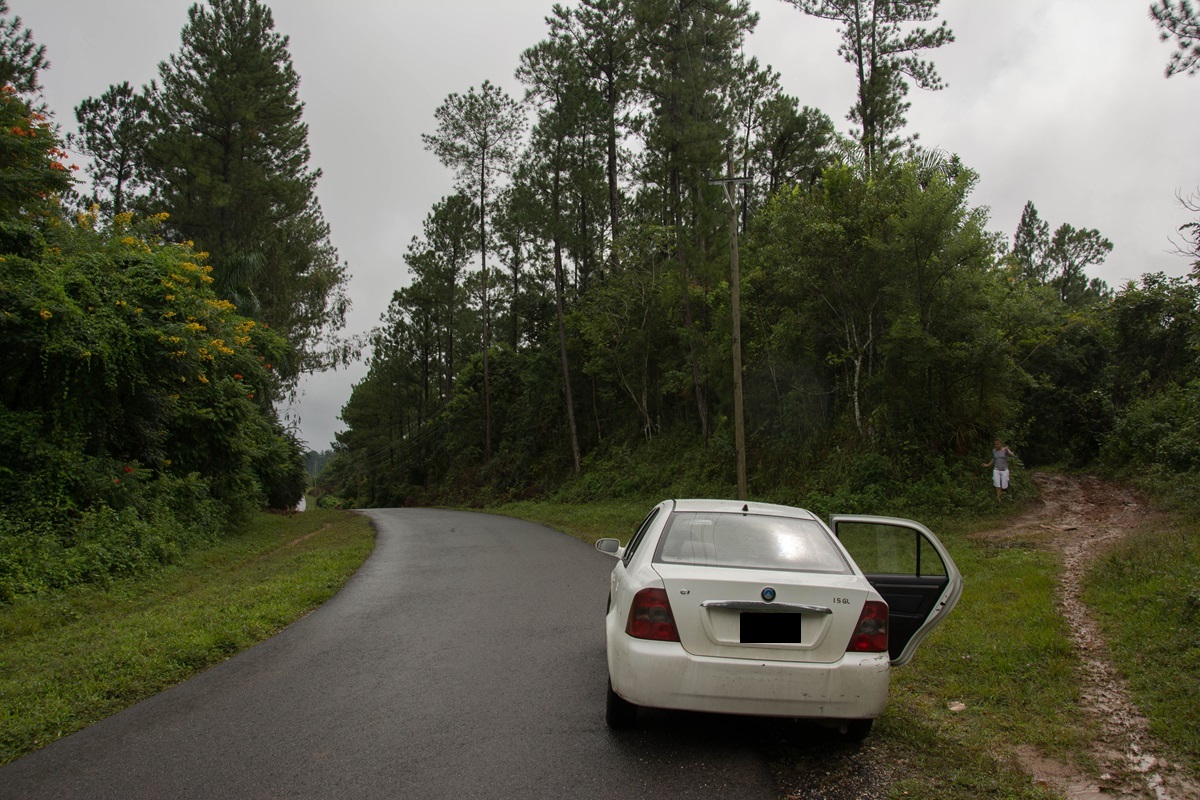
column 750, row 613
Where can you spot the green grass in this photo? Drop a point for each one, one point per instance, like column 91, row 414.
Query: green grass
column 1005, row 654
column 587, row 521
column 72, row 659
column 1147, row 595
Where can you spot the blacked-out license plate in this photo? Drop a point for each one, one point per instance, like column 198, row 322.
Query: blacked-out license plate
column 771, row 628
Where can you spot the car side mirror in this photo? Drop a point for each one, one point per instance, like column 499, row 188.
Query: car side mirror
column 610, row 546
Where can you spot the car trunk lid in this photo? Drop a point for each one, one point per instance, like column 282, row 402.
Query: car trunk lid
column 763, row 614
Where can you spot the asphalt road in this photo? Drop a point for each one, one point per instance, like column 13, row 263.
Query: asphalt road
column 465, row 659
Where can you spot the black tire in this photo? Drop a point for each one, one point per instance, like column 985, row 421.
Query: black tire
column 619, row 713
column 858, row 729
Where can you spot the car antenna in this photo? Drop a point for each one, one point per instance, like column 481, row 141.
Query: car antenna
column 745, row 508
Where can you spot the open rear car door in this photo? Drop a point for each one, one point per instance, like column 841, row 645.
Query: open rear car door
column 909, row 568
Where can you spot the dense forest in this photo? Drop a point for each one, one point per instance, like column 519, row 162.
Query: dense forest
column 154, row 308
column 657, row 267
column 658, row 274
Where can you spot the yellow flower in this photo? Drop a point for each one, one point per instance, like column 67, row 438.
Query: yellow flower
column 44, row 314
column 201, row 378
column 169, row 298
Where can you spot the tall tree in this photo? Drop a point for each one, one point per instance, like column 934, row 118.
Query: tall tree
column 450, row 239
column 554, row 77
column 748, row 101
column 1030, row 243
column 1179, row 21
column 230, row 164
column 601, row 35
column 113, row 130
column 883, row 55
column 477, row 136
column 692, row 49
column 1070, row 253
column 32, row 175
column 21, row 58
column 792, row 144
column 1060, row 260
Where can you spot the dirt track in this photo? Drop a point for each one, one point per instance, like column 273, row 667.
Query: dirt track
column 1079, row 516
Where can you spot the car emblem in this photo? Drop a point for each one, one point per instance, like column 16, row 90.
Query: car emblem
column 768, row 594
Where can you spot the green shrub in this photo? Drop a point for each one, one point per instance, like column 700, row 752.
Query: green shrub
column 156, row 522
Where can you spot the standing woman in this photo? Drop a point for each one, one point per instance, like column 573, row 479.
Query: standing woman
column 999, row 464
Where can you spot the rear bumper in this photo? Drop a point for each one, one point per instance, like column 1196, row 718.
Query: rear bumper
column 664, row 675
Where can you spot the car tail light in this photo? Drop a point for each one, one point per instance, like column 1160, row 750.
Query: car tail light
column 650, row 617
column 871, row 632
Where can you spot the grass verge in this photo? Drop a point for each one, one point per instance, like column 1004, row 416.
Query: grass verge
column 1147, row 595
column 72, row 659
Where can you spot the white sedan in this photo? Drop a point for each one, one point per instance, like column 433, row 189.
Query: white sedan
column 750, row 608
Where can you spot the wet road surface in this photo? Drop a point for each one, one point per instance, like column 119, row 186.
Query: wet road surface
column 465, row 659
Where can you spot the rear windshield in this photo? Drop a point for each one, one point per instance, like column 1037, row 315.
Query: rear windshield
column 749, row 541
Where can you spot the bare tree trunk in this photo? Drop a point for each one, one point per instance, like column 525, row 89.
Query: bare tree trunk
column 688, row 320
column 487, row 393
column 559, row 291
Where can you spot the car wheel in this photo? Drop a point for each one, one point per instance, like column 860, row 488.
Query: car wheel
column 619, row 713
column 858, row 729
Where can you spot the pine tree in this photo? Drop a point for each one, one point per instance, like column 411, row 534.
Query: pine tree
column 113, row 130
column 883, row 56
column 32, row 175
column 1179, row 21
column 1030, row 243
column 21, row 58
column 477, row 136
column 691, row 52
column 229, row 163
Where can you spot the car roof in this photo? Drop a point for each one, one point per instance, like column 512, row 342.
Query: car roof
column 741, row 507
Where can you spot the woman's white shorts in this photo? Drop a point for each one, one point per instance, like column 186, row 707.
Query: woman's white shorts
column 1000, row 478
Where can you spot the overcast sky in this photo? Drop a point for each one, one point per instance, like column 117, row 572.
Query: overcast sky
column 1062, row 102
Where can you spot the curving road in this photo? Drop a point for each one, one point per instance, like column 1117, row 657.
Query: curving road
column 465, row 659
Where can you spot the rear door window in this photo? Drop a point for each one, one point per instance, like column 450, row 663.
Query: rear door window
column 909, row 568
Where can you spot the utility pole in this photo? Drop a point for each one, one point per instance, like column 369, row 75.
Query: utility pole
column 729, row 182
